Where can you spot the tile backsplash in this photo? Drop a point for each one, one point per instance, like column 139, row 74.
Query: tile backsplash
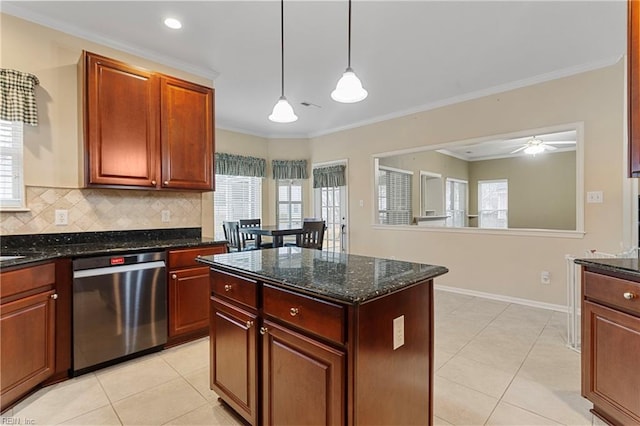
column 102, row 210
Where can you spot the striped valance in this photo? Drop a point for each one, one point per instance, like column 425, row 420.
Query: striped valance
column 17, row 97
column 239, row 165
column 330, row 176
column 289, row 169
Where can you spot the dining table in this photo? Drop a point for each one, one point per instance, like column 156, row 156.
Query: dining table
column 277, row 232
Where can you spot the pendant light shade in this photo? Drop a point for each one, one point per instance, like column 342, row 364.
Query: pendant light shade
column 349, row 88
column 282, row 110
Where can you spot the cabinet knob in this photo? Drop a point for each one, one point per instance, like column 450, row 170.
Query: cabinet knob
column 294, row 311
column 199, row 255
column 628, row 295
column 153, row 182
column 263, row 330
column 249, row 324
column 227, row 287
column 54, row 296
column 174, row 276
column 166, row 183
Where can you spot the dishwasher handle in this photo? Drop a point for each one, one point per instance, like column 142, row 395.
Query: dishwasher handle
column 117, row 269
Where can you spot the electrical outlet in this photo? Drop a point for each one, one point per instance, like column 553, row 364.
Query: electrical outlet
column 545, row 277
column 398, row 332
column 595, row 197
column 61, row 217
column 166, row 216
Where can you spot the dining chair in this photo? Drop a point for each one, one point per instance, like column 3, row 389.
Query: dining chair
column 254, row 241
column 312, row 234
column 232, row 235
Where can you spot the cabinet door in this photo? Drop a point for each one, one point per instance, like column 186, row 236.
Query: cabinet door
column 234, row 360
column 27, row 344
column 188, row 300
column 186, row 135
column 121, row 124
column 303, row 380
column 611, row 379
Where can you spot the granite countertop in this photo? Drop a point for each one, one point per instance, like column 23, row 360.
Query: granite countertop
column 629, row 266
column 42, row 247
column 344, row 278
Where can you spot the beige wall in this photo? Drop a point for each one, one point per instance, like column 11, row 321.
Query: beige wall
column 542, row 189
column 501, row 263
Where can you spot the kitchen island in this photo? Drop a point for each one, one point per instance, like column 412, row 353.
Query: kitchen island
column 301, row 336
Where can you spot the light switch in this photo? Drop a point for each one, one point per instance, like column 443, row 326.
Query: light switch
column 398, row 332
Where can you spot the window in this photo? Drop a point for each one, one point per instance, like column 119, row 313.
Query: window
column 11, row 179
column 289, row 201
column 394, row 196
column 456, row 202
column 492, row 203
column 235, row 198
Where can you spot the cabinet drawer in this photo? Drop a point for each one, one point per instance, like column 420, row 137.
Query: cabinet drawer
column 186, row 258
column 236, row 288
column 612, row 291
column 317, row 316
column 27, row 279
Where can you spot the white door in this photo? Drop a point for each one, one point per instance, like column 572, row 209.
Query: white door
column 331, row 205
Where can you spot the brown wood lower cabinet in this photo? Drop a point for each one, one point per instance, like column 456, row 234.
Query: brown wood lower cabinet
column 188, row 287
column 320, row 362
column 610, row 347
column 27, row 330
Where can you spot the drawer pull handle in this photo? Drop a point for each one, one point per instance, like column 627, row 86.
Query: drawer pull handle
column 174, row 276
column 628, row 295
column 249, row 324
column 54, row 296
column 294, row 311
column 263, row 330
column 227, row 287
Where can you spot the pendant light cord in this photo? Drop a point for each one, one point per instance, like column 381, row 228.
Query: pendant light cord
column 349, row 38
column 282, row 46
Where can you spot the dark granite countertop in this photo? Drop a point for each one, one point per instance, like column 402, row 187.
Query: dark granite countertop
column 629, row 266
column 345, row 278
column 41, row 247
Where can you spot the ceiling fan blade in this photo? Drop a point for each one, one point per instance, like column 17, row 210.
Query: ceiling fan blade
column 519, row 149
column 561, row 142
column 549, row 147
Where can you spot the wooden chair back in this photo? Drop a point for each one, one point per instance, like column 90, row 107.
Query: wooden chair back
column 250, row 238
column 232, row 234
column 312, row 235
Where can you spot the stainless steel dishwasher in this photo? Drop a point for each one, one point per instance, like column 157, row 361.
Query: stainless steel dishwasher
column 119, row 308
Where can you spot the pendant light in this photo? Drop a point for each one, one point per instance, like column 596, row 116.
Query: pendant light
column 349, row 88
column 282, row 110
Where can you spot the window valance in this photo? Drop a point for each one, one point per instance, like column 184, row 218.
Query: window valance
column 239, row 165
column 324, row 177
column 17, row 98
column 289, row 169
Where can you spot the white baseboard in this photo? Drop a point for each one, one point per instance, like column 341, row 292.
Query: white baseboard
column 502, row 298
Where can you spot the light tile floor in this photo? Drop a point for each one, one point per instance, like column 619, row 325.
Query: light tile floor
column 495, row 363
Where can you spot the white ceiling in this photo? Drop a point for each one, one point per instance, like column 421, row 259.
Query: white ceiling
column 410, row 55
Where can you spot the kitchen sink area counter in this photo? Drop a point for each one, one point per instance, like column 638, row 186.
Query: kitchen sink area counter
column 26, row 249
column 349, row 331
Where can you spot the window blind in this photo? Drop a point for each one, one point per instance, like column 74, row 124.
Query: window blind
column 289, row 202
column 11, row 179
column 394, row 196
column 235, row 198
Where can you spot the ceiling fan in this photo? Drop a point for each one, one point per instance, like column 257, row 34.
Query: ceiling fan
column 536, row 145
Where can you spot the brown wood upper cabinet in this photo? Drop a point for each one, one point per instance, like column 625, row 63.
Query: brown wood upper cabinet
column 144, row 129
column 633, row 58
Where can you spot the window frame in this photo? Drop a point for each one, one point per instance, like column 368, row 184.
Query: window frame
column 289, row 183
column 498, row 211
column 451, row 219
column 394, row 214
column 12, row 158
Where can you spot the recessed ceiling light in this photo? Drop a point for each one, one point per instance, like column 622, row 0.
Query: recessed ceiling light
column 173, row 23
